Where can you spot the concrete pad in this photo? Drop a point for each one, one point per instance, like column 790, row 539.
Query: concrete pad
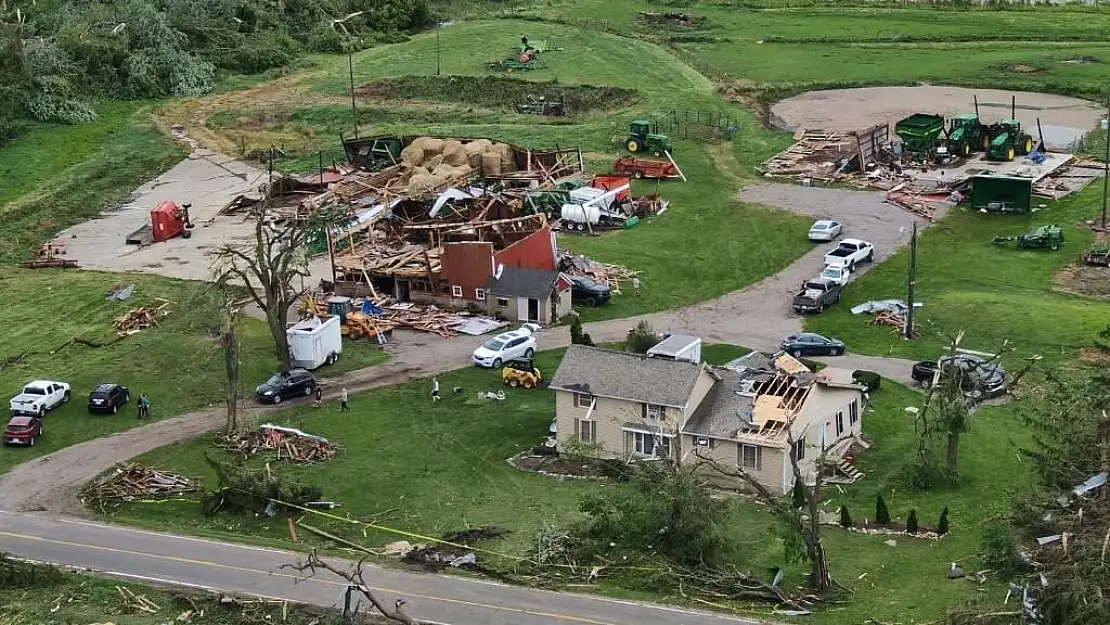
column 206, row 180
column 979, row 165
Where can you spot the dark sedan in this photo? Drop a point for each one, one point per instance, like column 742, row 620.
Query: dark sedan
column 980, row 377
column 587, row 292
column 809, row 344
column 285, row 385
column 108, row 398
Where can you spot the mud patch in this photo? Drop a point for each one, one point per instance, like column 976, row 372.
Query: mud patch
column 1084, row 280
column 673, row 19
column 1094, row 356
column 1019, row 68
column 496, row 92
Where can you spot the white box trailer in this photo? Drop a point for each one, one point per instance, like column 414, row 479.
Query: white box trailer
column 315, row 342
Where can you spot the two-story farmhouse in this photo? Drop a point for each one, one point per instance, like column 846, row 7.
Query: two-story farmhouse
column 749, row 415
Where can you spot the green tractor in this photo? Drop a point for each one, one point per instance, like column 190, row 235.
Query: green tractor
column 1008, row 141
column 1043, row 237
column 641, row 139
column 966, row 134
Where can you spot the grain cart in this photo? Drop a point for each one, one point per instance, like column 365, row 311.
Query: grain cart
column 966, row 134
column 641, row 139
column 1043, row 237
column 1008, row 141
column 920, row 133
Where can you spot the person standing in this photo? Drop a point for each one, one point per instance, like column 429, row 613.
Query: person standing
column 435, row 390
column 318, row 399
column 343, row 401
column 143, row 406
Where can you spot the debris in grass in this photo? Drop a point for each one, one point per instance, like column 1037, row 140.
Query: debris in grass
column 139, row 318
column 603, row 273
column 466, row 537
column 131, row 602
column 120, row 292
column 134, row 482
column 289, row 444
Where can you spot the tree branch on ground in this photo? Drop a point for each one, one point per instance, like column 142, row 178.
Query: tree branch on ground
column 355, row 577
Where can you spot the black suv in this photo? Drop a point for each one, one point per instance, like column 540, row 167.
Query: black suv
column 108, row 398
column 291, row 383
column 586, row 291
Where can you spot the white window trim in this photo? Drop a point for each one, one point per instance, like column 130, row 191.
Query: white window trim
column 758, row 457
column 456, row 291
column 502, row 305
column 582, row 400
column 665, row 439
column 480, row 295
column 660, row 412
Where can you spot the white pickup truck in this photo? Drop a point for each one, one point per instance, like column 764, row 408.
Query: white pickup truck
column 38, row 397
column 850, row 253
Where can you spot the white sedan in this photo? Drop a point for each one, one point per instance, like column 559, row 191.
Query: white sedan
column 824, row 230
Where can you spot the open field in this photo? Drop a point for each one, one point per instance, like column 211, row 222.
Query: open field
column 425, row 469
column 178, row 364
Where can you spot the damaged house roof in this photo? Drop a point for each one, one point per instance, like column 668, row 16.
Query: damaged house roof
column 621, row 375
column 518, row 282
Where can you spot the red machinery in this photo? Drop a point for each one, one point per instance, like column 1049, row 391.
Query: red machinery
column 639, row 168
column 167, row 220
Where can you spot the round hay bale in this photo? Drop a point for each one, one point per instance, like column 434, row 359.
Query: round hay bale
column 477, row 146
column 491, row 164
column 418, row 142
column 454, row 154
column 420, row 170
column 421, row 185
column 474, row 160
column 412, row 155
column 432, row 146
column 445, row 170
column 433, row 161
column 464, row 170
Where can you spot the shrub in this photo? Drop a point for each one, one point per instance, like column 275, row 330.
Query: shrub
column 942, row 525
column 641, row 338
column 911, row 522
column 798, row 496
column 999, row 551
column 845, row 517
column 882, row 515
column 577, row 336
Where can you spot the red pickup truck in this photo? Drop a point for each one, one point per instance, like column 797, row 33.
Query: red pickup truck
column 23, row 431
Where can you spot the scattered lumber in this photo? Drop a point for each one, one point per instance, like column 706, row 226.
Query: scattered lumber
column 603, row 273
column 140, row 318
column 132, row 602
column 285, row 443
column 135, row 482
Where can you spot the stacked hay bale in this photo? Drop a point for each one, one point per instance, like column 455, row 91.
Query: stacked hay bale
column 433, row 161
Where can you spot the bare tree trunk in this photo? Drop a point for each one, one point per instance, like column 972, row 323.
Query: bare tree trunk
column 276, row 315
column 231, row 364
column 953, row 451
column 820, row 579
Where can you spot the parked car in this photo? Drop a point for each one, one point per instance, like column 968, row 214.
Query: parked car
column 809, row 344
column 814, row 295
column 982, row 378
column 285, row 385
column 23, row 431
column 851, row 252
column 824, row 230
column 840, row 274
column 519, row 343
column 108, row 398
column 38, row 397
column 587, row 292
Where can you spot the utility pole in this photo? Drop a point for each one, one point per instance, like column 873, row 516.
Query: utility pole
column 437, row 49
column 1106, row 165
column 320, row 155
column 351, row 70
column 912, row 286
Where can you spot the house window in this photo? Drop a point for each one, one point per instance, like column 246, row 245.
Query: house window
column 800, row 449
column 751, row 457
column 651, row 445
column 502, row 302
column 839, row 422
column 586, row 430
column 853, row 412
column 480, row 295
column 456, row 290
column 653, row 412
column 582, row 400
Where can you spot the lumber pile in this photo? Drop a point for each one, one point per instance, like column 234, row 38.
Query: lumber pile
column 133, row 603
column 285, row 443
column 421, row 318
column 602, row 273
column 912, row 203
column 135, row 482
column 814, row 154
column 894, row 320
column 139, row 318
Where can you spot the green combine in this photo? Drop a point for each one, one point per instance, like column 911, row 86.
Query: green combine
column 1043, row 237
column 920, row 134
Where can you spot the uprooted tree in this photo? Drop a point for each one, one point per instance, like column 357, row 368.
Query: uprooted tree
column 274, row 269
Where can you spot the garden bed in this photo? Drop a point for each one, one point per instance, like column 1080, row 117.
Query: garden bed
column 497, row 92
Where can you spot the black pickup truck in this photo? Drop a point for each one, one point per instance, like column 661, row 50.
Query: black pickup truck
column 815, row 295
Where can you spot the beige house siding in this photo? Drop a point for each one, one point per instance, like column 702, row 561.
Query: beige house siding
column 818, row 422
column 771, row 471
column 612, row 416
column 701, row 389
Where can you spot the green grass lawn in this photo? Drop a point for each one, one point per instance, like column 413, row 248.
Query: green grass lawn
column 425, row 469
column 994, row 293
column 178, row 364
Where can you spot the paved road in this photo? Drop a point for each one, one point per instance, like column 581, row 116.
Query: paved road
column 160, row 558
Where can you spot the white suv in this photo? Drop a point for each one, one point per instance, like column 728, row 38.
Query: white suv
column 520, row 343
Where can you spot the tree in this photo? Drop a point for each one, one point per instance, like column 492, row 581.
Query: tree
column 577, row 335
column 356, row 581
column 882, row 515
column 798, row 495
column 641, row 338
column 911, row 522
column 845, row 517
column 942, row 525
column 270, row 267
